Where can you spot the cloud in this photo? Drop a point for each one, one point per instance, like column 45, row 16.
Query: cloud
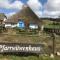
column 36, row 6
column 10, row 14
column 53, row 5
column 10, row 7
column 52, row 8
column 15, row 5
column 38, row 13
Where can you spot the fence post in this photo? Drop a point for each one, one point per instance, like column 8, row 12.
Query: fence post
column 53, row 43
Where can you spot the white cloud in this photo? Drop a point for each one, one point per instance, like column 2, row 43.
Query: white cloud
column 15, row 5
column 52, row 8
column 53, row 5
column 10, row 14
column 7, row 5
column 36, row 6
column 38, row 13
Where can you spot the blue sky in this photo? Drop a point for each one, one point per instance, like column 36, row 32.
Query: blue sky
column 24, row 1
column 43, row 1
column 42, row 8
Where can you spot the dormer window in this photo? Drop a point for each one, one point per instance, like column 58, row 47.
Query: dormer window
column 21, row 24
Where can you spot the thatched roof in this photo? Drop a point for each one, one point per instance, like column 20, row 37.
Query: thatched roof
column 26, row 13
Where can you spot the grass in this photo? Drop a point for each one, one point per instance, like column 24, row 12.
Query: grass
column 24, row 38
column 18, row 38
column 53, row 26
column 12, row 57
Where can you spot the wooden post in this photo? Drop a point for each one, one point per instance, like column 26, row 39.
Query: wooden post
column 53, row 46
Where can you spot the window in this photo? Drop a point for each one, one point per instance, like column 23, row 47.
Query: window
column 21, row 24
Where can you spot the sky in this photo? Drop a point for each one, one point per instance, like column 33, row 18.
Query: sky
column 42, row 8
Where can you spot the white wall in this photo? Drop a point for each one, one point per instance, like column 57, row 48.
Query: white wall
column 33, row 26
column 10, row 25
